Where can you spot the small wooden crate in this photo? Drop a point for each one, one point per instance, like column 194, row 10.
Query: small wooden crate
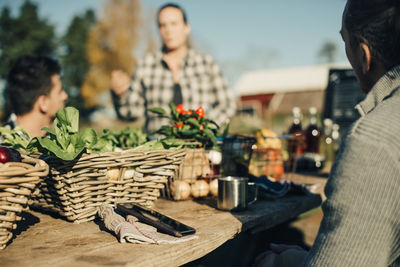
column 76, row 189
column 17, row 181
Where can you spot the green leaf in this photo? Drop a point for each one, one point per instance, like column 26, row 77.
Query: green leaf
column 189, row 133
column 52, row 146
column 17, row 138
column 172, row 142
column 158, row 110
column 49, row 131
column 33, row 145
column 210, row 135
column 213, row 122
column 88, row 136
column 69, row 118
column 102, row 145
column 174, row 113
column 226, row 130
column 193, row 122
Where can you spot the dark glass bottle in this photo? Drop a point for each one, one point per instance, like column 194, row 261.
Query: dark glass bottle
column 295, row 143
column 313, row 133
column 296, row 127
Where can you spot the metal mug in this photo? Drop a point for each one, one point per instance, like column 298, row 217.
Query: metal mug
column 233, row 193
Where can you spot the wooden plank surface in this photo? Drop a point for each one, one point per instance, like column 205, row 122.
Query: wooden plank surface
column 48, row 241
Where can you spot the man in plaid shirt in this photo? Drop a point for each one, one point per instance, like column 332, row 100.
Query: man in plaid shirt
column 177, row 74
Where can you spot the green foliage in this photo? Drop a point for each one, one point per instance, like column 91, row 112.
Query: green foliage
column 23, row 35
column 125, row 138
column 17, row 138
column 74, row 60
column 328, row 51
column 190, row 124
column 64, row 140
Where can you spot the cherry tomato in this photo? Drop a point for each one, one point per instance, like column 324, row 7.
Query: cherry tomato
column 200, row 111
column 179, row 108
column 179, row 124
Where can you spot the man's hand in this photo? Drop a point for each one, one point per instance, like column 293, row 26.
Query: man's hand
column 120, row 82
column 281, row 256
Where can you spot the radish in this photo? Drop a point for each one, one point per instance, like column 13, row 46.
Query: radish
column 9, row 154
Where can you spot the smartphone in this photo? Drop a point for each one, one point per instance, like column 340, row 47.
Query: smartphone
column 163, row 223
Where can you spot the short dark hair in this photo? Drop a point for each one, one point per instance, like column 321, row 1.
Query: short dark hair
column 29, row 78
column 377, row 24
column 174, row 6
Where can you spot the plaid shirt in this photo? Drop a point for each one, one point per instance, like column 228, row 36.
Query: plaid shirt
column 201, row 82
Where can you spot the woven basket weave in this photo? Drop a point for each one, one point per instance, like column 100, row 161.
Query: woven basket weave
column 76, row 189
column 17, row 181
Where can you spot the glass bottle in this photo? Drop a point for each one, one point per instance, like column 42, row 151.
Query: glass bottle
column 313, row 133
column 296, row 127
column 327, row 144
column 336, row 137
column 295, row 143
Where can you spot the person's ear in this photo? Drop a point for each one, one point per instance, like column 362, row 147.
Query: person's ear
column 188, row 29
column 366, row 58
column 42, row 103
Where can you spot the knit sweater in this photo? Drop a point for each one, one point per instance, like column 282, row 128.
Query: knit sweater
column 361, row 224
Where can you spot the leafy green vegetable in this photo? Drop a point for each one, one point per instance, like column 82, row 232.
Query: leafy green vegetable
column 64, row 140
column 17, row 138
column 125, row 138
column 166, row 143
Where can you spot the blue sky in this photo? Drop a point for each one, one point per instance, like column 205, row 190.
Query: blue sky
column 240, row 35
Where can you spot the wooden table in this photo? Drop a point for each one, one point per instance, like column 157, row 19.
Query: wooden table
column 48, row 241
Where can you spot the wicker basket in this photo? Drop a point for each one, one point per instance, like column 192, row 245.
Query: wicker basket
column 76, row 189
column 17, row 181
column 196, row 165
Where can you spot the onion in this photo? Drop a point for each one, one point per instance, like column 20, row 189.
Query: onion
column 112, row 174
column 215, row 157
column 200, row 189
column 214, row 187
column 180, row 190
column 129, row 173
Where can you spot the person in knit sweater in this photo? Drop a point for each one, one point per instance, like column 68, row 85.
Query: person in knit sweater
column 361, row 224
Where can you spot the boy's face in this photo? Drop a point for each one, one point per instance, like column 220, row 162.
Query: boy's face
column 55, row 100
column 173, row 29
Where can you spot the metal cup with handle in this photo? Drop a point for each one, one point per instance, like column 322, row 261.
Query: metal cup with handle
column 233, row 193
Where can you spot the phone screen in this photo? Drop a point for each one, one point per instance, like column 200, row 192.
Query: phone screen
column 156, row 219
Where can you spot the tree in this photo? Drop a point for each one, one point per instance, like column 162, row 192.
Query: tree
column 110, row 46
column 24, row 35
column 328, row 52
column 74, row 60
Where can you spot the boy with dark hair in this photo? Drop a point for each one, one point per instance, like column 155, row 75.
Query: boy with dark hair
column 35, row 92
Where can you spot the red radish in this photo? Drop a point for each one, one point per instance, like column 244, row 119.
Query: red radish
column 9, row 154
